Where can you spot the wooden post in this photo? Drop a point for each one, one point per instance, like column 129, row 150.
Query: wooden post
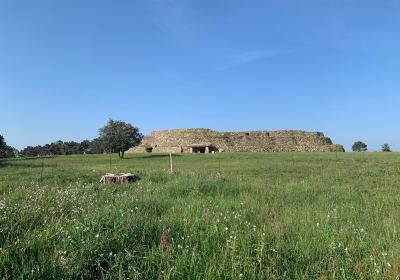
column 170, row 161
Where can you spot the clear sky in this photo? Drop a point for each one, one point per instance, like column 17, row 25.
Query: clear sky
column 66, row 66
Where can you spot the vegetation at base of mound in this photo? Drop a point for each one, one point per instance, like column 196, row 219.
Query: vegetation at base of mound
column 230, row 216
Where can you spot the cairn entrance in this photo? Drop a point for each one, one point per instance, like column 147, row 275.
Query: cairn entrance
column 199, row 149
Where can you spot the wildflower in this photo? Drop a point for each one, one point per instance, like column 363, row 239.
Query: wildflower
column 226, row 228
column 97, row 235
column 241, row 275
column 384, row 254
column 346, row 249
column 317, row 224
column 388, row 264
column 111, row 254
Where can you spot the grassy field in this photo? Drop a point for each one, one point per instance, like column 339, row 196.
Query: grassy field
column 230, row 216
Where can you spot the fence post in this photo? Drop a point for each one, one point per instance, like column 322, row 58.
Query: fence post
column 170, row 162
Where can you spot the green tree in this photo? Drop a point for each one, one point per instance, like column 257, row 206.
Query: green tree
column 96, row 146
column 386, row 148
column 84, row 146
column 2, row 143
column 29, row 152
column 5, row 150
column 359, row 146
column 119, row 136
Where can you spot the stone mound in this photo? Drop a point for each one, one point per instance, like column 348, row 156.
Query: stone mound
column 202, row 140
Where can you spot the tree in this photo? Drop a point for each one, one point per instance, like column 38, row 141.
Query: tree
column 29, row 152
column 5, row 150
column 386, row 148
column 2, row 143
column 96, row 146
column 359, row 146
column 84, row 146
column 119, row 136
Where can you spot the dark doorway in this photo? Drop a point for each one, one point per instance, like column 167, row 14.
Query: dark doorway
column 200, row 150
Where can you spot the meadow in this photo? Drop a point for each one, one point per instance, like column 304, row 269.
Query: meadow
column 230, row 216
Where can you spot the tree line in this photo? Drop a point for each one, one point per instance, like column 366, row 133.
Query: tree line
column 114, row 137
column 64, row 148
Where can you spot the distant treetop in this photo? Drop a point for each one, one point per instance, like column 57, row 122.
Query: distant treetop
column 359, row 146
column 386, row 148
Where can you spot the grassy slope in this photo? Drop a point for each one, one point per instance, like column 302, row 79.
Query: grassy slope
column 231, row 216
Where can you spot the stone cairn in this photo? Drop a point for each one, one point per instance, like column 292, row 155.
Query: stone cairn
column 208, row 141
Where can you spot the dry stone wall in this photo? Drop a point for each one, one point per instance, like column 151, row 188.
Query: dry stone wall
column 182, row 140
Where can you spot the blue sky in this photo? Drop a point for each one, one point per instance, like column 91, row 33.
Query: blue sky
column 318, row 65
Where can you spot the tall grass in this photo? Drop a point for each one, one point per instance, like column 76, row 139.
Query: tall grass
column 230, row 216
